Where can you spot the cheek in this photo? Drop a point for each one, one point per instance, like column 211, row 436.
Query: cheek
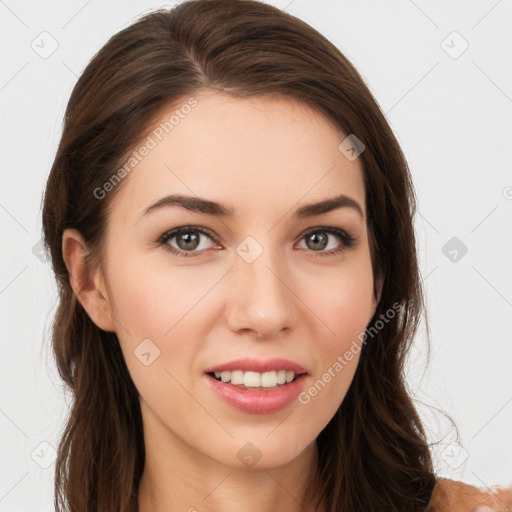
column 152, row 301
column 158, row 310
column 344, row 310
column 170, row 307
column 343, row 300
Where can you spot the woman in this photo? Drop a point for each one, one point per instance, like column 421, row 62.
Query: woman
column 216, row 361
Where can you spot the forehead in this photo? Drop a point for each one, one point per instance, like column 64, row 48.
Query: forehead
column 253, row 153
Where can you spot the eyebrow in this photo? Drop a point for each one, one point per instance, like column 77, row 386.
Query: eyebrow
column 208, row 207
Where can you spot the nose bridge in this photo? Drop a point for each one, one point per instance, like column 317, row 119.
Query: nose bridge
column 262, row 300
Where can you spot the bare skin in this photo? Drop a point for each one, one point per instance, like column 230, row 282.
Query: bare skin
column 453, row 496
column 265, row 157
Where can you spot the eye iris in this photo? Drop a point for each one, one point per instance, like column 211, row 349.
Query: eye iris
column 191, row 240
column 315, row 237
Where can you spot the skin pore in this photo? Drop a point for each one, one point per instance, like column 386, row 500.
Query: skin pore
column 264, row 158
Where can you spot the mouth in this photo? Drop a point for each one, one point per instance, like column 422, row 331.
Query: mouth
column 255, row 381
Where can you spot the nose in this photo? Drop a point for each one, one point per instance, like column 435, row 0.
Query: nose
column 261, row 301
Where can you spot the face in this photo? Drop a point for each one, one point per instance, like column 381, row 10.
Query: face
column 262, row 282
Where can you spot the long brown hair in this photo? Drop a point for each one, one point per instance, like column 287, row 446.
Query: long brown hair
column 373, row 454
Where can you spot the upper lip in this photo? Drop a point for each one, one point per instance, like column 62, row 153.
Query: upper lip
column 258, row 365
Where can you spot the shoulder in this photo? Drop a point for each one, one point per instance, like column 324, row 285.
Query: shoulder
column 453, row 496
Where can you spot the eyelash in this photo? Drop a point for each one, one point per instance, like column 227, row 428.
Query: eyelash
column 347, row 240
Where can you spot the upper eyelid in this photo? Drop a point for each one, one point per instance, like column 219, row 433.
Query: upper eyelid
column 171, row 233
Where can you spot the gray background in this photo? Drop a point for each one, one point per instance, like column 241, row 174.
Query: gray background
column 450, row 107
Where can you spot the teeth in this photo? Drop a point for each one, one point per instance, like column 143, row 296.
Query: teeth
column 252, row 379
column 281, row 376
column 256, row 379
column 237, row 377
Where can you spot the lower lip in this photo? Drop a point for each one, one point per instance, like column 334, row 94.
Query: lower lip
column 257, row 401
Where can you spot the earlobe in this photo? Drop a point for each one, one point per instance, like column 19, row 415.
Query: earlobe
column 88, row 284
column 379, row 283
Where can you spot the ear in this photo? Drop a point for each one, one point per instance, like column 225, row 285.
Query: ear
column 89, row 286
column 379, row 283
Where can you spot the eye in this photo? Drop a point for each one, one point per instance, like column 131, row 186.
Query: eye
column 318, row 240
column 188, row 239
